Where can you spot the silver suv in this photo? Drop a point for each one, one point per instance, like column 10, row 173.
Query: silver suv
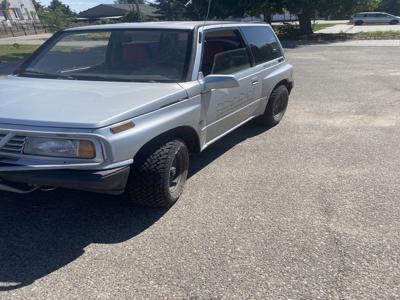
column 118, row 108
column 374, row 18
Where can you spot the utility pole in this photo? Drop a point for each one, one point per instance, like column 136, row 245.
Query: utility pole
column 138, row 10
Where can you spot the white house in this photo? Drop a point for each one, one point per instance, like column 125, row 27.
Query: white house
column 18, row 11
column 284, row 17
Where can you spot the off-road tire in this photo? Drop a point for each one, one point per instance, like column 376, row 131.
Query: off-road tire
column 149, row 183
column 270, row 118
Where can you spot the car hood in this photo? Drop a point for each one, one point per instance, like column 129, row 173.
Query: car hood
column 80, row 104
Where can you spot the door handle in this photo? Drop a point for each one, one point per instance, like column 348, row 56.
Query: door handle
column 255, row 81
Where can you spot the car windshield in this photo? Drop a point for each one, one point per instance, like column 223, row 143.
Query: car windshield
column 136, row 55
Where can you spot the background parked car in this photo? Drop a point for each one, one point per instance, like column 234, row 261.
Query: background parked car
column 374, row 18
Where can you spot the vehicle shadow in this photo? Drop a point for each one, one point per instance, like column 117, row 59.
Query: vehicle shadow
column 44, row 231
column 223, row 145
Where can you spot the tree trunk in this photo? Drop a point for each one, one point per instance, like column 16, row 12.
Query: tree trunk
column 267, row 17
column 305, row 23
column 138, row 10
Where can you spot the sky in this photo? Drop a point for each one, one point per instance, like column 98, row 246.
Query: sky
column 79, row 5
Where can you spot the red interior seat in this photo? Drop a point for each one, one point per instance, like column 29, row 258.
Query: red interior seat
column 211, row 49
column 135, row 54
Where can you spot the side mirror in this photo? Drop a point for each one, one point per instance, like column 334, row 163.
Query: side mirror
column 214, row 82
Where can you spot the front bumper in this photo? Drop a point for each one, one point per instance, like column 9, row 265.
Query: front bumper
column 110, row 181
column 23, row 173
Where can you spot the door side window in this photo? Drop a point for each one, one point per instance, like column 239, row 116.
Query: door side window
column 224, row 53
column 263, row 43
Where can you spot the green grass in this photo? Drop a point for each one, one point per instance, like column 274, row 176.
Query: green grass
column 292, row 31
column 380, row 34
column 317, row 26
column 16, row 52
column 99, row 36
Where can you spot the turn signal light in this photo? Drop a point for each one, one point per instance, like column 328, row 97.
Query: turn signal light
column 122, row 127
column 86, row 149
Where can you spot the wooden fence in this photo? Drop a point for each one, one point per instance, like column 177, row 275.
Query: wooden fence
column 12, row 28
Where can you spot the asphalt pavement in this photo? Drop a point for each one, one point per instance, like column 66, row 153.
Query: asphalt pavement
column 306, row 210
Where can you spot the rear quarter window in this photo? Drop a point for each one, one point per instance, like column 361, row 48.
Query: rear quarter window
column 263, row 43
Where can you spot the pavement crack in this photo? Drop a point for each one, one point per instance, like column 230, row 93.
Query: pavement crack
column 336, row 241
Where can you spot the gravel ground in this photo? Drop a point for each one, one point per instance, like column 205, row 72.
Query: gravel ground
column 306, row 210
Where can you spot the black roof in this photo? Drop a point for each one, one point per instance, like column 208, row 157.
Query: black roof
column 116, row 10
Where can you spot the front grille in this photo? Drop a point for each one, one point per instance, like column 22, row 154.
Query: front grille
column 14, row 146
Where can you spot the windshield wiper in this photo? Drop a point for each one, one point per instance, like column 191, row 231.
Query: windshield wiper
column 90, row 77
column 96, row 78
column 44, row 75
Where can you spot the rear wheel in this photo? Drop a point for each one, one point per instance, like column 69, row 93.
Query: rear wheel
column 359, row 23
column 158, row 178
column 394, row 22
column 276, row 107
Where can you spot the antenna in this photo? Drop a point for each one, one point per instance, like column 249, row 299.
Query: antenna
column 190, row 2
column 208, row 10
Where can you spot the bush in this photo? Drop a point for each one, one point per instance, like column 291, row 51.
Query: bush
column 287, row 31
column 55, row 20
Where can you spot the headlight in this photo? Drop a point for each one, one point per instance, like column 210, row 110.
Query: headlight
column 58, row 147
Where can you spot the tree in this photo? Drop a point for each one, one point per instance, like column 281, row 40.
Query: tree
column 198, row 9
column 306, row 10
column 56, row 15
column 132, row 16
column 390, row 6
column 58, row 6
column 4, row 4
column 38, row 6
column 171, row 9
column 365, row 5
column 128, row 1
column 266, row 8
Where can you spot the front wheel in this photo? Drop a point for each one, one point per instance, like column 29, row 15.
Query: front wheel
column 359, row 23
column 276, row 107
column 394, row 22
column 158, row 178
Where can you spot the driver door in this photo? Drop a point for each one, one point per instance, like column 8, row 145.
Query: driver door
column 225, row 52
